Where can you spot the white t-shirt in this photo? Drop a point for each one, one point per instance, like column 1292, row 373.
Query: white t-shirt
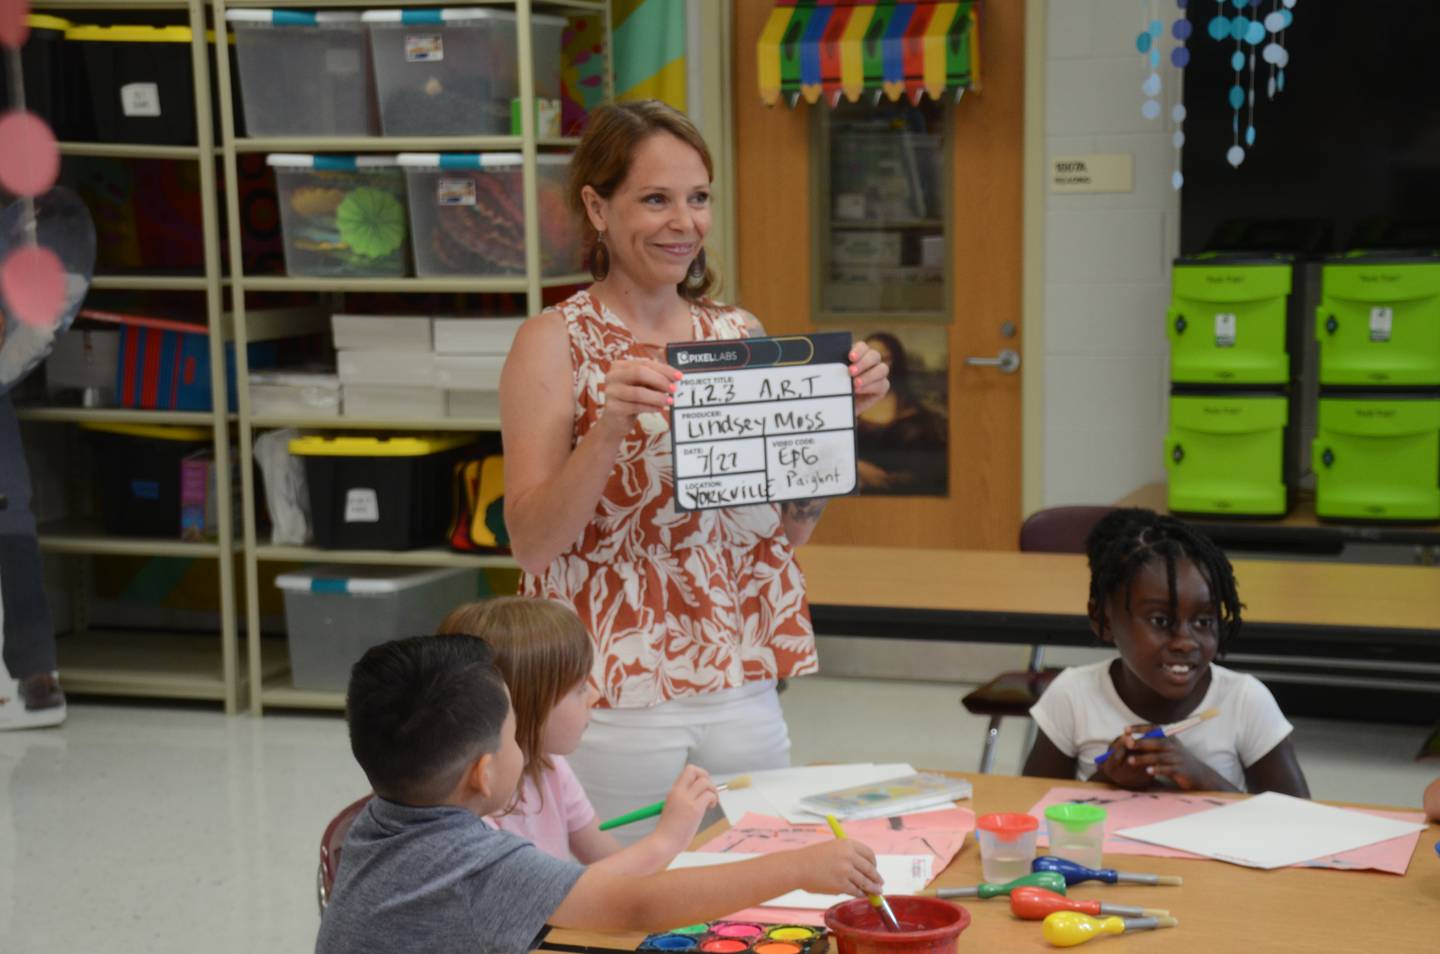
column 1082, row 714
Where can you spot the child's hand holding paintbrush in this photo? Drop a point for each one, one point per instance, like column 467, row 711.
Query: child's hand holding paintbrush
column 1145, row 754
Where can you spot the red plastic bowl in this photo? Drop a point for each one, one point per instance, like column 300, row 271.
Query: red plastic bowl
column 931, row 926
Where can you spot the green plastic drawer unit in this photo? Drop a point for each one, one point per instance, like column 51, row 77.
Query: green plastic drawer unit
column 1227, row 322
column 1379, row 322
column 1378, row 458
column 1226, row 454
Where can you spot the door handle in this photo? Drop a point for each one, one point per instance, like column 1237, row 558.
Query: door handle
column 1008, row 361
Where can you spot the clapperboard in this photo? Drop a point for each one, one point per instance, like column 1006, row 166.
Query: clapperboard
column 762, row 420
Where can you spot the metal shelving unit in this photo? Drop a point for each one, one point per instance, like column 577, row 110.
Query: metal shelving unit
column 267, row 661
column 157, row 665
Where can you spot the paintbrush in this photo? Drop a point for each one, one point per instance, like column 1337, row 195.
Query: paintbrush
column 650, row 811
column 877, row 901
column 1161, row 731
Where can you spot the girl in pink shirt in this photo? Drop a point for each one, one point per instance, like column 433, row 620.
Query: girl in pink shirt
column 545, row 654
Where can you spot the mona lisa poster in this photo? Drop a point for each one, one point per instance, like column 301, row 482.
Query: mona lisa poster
column 903, row 441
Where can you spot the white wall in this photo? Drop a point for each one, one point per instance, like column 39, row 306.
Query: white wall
column 1107, row 261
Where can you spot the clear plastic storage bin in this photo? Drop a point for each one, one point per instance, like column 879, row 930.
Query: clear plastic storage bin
column 334, row 614
column 456, row 71
column 341, row 215
column 467, row 214
column 304, row 73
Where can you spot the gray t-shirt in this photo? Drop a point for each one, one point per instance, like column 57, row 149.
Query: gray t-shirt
column 438, row 880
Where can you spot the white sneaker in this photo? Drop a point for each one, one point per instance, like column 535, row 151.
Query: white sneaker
column 31, row 703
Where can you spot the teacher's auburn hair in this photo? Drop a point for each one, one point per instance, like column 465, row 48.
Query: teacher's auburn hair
column 606, row 153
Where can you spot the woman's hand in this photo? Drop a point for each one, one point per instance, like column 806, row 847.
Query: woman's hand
column 870, row 374
column 633, row 387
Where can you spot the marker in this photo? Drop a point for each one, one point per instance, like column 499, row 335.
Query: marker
column 650, row 811
column 1069, row 928
column 1074, row 874
column 877, row 901
column 1161, row 731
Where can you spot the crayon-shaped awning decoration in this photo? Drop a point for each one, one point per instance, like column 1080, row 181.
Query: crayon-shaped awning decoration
column 892, row 48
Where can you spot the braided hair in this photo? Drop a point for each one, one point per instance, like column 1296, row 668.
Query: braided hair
column 1128, row 538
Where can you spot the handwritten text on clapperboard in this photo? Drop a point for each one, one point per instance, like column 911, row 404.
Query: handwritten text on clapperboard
column 763, row 420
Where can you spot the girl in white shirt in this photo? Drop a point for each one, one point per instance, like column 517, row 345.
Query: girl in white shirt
column 1164, row 595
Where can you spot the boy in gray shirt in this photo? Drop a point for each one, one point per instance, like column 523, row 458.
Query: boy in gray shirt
column 431, row 725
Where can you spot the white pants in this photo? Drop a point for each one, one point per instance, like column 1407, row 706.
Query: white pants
column 630, row 757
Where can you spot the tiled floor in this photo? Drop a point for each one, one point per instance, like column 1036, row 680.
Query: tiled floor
column 167, row 829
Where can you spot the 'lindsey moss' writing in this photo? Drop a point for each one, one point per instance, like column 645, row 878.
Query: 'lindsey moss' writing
column 700, row 427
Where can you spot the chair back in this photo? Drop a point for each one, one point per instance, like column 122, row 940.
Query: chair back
column 1060, row 529
column 330, row 843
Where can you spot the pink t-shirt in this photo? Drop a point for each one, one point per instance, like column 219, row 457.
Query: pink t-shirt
column 566, row 810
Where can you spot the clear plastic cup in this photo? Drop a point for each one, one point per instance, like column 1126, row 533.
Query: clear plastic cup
column 1007, row 845
column 1077, row 832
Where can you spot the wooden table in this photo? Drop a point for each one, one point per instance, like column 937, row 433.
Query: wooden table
column 1221, row 907
column 1300, row 530
column 1332, row 610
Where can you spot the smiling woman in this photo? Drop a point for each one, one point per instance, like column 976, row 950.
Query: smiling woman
column 694, row 615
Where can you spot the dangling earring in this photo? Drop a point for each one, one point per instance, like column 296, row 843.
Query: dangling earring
column 599, row 258
column 696, row 275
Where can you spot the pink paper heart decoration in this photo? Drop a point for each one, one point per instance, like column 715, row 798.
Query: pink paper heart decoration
column 29, row 157
column 32, row 282
column 14, row 30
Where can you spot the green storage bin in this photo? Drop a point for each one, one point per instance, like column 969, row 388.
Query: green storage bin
column 1378, row 458
column 1379, row 322
column 1225, row 453
column 1228, row 321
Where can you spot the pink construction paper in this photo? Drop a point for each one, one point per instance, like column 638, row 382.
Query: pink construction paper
column 1132, row 809
column 939, row 834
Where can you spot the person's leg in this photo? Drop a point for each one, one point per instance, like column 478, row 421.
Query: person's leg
column 29, row 633
column 625, row 763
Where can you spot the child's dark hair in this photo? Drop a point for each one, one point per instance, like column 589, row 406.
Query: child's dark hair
column 1127, row 539
column 422, row 709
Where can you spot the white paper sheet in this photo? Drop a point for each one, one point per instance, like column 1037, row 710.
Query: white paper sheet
column 777, row 792
column 902, row 874
column 1271, row 831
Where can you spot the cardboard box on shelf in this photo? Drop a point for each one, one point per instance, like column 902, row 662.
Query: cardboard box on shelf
column 475, row 335
column 392, row 403
column 381, row 332
column 397, row 368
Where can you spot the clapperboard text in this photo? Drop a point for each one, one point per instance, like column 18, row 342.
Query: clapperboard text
column 747, row 435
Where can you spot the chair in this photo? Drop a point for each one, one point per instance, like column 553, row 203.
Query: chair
column 1054, row 530
column 330, row 843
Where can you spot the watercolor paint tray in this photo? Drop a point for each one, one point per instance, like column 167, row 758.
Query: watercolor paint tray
column 738, row 937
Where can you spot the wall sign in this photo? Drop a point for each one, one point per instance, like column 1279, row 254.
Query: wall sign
column 1114, row 172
